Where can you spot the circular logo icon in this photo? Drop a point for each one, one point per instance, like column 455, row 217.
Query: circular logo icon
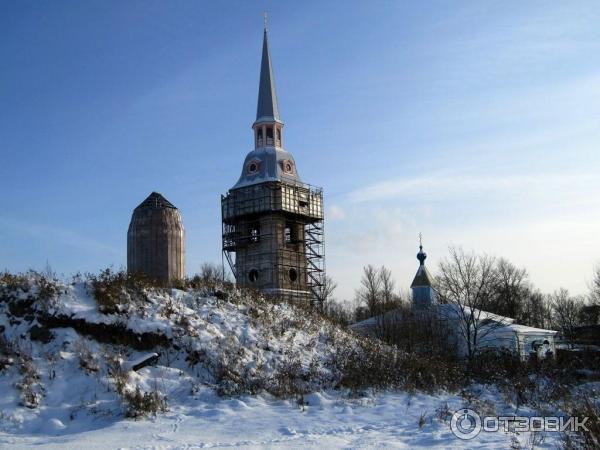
column 465, row 424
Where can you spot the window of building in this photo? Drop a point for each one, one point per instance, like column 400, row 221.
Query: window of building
column 269, row 135
column 259, row 137
column 288, row 166
column 254, row 231
column 302, row 199
column 290, row 235
column 253, row 276
column 253, row 167
column 293, row 274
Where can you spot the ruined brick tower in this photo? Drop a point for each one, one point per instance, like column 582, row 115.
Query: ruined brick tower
column 272, row 221
column 156, row 240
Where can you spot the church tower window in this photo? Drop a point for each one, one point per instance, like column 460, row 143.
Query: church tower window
column 259, row 137
column 254, row 232
column 253, row 276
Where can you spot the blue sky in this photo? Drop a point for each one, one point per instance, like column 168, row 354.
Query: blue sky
column 475, row 123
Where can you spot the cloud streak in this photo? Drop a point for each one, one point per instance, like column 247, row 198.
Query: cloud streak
column 445, row 184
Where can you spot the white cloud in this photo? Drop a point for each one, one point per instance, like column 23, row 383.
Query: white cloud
column 446, row 184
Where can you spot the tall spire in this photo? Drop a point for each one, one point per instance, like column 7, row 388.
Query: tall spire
column 267, row 110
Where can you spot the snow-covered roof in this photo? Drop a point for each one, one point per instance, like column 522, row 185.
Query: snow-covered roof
column 268, row 164
column 452, row 310
column 524, row 329
column 373, row 321
column 508, row 323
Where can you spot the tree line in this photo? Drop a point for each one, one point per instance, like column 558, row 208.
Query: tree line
column 480, row 281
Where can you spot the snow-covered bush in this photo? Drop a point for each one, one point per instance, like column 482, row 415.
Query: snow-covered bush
column 87, row 359
column 584, row 406
column 142, row 404
column 28, row 385
column 113, row 289
column 6, row 352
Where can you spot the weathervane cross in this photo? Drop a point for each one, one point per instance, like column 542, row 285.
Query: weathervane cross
column 266, row 19
column 420, row 239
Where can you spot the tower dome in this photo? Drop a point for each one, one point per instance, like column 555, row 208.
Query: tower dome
column 156, row 240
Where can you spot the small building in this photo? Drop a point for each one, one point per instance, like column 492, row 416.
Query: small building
column 156, row 240
column 273, row 221
column 494, row 331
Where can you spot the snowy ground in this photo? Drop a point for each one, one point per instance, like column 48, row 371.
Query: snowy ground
column 62, row 392
column 329, row 421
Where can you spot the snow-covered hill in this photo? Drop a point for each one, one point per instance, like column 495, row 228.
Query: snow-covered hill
column 199, row 367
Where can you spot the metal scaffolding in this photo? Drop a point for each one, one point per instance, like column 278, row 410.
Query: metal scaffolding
column 278, row 228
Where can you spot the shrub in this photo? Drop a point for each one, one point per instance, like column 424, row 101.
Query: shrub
column 120, row 378
column 584, row 440
column 87, row 360
column 113, row 289
column 10, row 283
column 429, row 373
column 142, row 404
column 367, row 363
column 48, row 290
column 7, row 352
column 291, row 379
column 28, row 386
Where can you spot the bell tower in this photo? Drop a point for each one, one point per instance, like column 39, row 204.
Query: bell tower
column 273, row 222
column 423, row 294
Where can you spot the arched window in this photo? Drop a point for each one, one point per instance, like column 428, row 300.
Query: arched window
column 269, row 135
column 253, row 276
column 293, row 274
column 290, row 233
column 259, row 137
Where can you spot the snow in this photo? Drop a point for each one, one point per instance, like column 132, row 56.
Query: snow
column 330, row 420
column 79, row 406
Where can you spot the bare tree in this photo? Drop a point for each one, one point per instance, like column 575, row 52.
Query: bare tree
column 590, row 313
column 211, row 275
column 595, row 286
column 390, row 311
column 369, row 292
column 325, row 292
column 565, row 311
column 340, row 311
column 512, row 289
column 468, row 282
column 536, row 310
column 387, row 287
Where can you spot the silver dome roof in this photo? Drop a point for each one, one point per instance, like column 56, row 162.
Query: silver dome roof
column 268, row 164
